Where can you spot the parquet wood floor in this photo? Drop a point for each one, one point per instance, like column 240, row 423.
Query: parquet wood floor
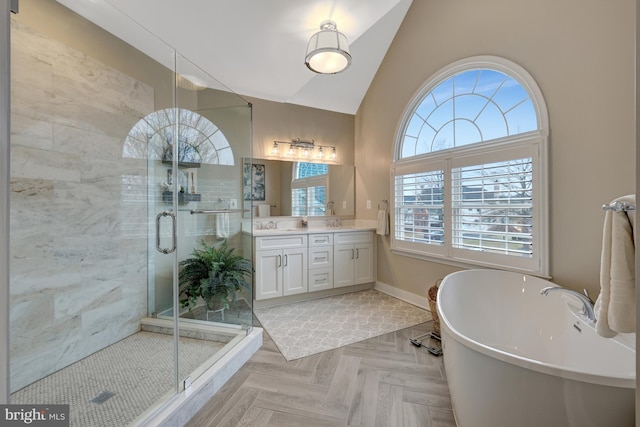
column 383, row 381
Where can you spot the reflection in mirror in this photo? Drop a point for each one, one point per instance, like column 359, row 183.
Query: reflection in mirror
column 309, row 183
column 301, row 189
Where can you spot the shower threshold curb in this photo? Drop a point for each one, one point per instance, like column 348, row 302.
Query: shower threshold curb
column 182, row 407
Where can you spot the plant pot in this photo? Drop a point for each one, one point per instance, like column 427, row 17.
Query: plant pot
column 217, row 303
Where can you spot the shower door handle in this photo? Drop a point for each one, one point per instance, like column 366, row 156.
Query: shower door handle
column 174, row 232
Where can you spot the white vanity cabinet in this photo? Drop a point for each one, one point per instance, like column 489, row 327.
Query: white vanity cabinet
column 353, row 261
column 320, row 261
column 291, row 263
column 281, row 266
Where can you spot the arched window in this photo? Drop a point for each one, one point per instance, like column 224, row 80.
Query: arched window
column 309, row 189
column 200, row 141
column 469, row 175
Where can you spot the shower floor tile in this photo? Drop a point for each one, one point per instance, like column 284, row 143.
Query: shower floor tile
column 127, row 377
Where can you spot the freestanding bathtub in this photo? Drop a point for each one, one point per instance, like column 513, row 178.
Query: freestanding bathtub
column 515, row 358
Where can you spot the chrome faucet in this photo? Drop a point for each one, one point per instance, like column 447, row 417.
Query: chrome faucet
column 587, row 303
column 334, row 223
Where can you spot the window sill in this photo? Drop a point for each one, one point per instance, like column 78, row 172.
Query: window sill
column 465, row 264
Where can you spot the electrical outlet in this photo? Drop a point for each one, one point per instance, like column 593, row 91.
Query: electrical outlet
column 233, row 203
column 344, row 204
column 368, row 204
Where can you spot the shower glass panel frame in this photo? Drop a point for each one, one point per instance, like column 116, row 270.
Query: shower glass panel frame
column 200, row 179
column 86, row 197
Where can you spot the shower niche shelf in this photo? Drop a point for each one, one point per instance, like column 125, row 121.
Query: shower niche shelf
column 167, row 196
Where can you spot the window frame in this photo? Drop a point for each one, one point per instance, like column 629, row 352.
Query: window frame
column 307, row 183
column 533, row 142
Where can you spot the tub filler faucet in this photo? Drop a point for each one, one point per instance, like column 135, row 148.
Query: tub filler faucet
column 587, row 303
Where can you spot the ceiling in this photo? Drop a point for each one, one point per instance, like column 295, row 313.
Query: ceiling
column 256, row 48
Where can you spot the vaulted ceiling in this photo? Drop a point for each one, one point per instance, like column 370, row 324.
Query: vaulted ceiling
column 256, row 48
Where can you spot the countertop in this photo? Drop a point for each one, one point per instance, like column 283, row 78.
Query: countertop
column 309, row 230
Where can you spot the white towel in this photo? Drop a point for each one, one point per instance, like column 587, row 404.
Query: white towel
column 616, row 304
column 383, row 222
column 264, row 211
column 222, row 225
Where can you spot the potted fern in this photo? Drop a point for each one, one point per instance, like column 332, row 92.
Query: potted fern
column 213, row 273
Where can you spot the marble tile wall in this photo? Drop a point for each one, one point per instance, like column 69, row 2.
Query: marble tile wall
column 78, row 260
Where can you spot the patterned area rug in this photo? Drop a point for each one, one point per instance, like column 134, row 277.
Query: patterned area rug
column 305, row 328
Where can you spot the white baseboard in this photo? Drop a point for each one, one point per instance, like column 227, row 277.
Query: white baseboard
column 414, row 299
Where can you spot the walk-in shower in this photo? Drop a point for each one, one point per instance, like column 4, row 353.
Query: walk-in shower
column 124, row 160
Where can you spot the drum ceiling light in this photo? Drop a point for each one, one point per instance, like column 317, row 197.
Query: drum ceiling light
column 328, row 50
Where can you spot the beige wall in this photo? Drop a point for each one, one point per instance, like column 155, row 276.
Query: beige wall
column 581, row 53
column 283, row 122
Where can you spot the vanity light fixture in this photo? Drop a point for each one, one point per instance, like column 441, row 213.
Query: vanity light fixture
column 305, row 149
column 328, row 50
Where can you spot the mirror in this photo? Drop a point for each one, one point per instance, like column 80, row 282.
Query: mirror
column 274, row 187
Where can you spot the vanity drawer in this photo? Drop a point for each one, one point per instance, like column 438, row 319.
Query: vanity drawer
column 353, row 237
column 320, row 257
column 281, row 242
column 324, row 239
column 320, row 279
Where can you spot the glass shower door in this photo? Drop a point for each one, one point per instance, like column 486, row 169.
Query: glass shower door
column 79, row 218
column 199, row 270
column 96, row 320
